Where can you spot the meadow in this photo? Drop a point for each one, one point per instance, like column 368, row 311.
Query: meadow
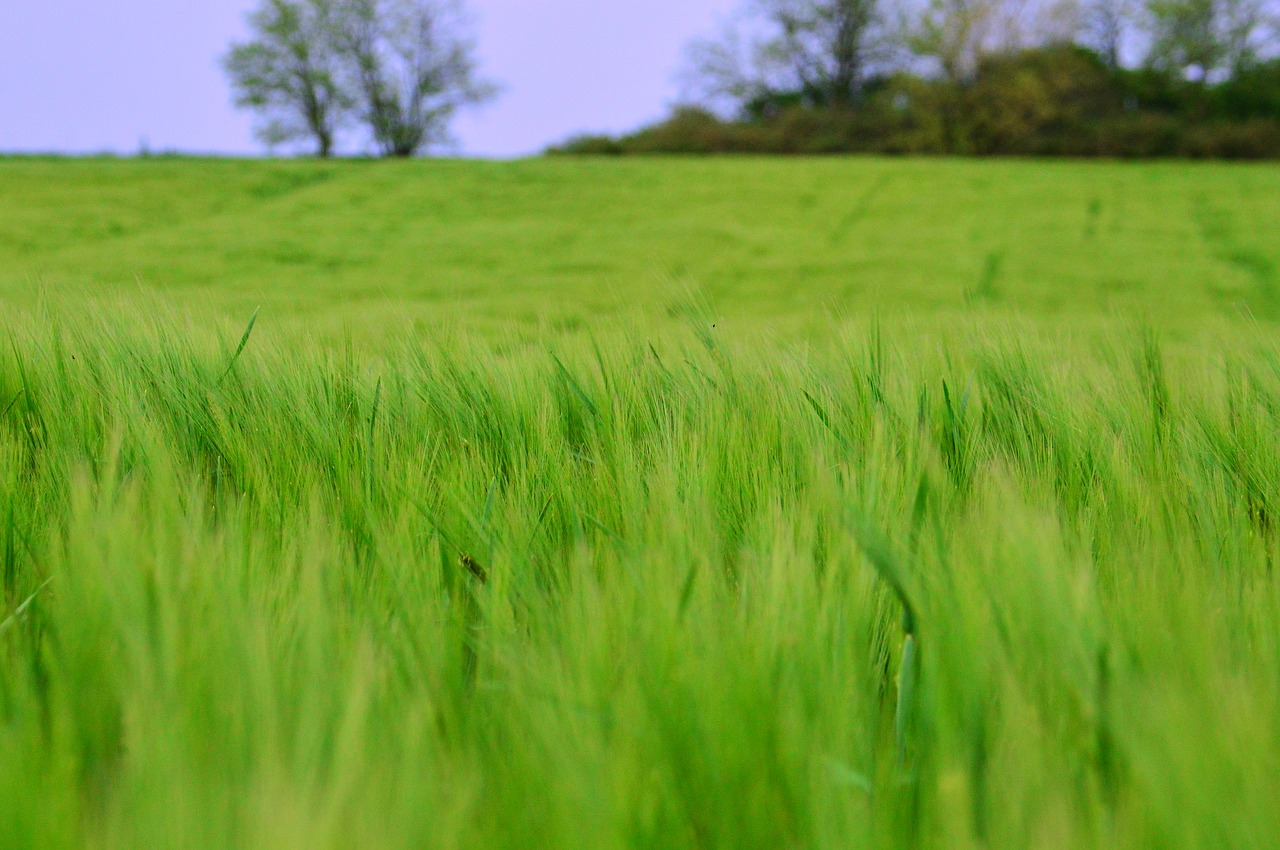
column 655, row 503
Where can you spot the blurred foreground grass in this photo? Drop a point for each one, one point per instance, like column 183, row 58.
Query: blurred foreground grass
column 642, row 594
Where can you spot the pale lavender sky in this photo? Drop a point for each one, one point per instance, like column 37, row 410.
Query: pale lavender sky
column 104, row 75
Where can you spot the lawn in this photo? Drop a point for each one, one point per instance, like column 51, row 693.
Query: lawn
column 649, row 503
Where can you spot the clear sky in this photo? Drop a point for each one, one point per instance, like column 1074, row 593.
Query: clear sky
column 107, row 75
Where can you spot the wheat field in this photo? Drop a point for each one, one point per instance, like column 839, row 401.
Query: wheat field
column 828, row 542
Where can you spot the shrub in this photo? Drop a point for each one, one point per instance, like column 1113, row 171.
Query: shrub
column 1053, row 101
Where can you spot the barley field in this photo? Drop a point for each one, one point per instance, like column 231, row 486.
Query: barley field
column 644, row 504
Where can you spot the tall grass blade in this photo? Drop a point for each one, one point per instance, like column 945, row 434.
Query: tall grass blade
column 21, row 610
column 244, row 341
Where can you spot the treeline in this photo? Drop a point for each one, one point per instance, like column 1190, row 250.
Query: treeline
column 1118, row 78
column 1176, row 78
column 1053, row 101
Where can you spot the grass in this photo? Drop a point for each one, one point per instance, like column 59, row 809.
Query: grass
column 554, row 246
column 994, row 569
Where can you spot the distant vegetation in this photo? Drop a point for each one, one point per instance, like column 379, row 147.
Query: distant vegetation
column 1084, row 78
column 1059, row 101
column 399, row 68
column 1186, row 78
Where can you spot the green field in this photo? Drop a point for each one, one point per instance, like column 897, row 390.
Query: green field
column 371, row 248
column 645, row 504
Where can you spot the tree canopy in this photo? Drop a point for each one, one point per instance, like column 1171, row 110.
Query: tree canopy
column 398, row 68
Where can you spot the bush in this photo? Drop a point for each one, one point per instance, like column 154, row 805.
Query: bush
column 1140, row 136
column 588, row 145
column 1254, row 139
column 1041, row 102
column 696, row 131
column 907, row 115
column 1253, row 94
column 1053, row 101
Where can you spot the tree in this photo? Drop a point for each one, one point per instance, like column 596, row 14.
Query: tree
column 411, row 65
column 1198, row 38
column 956, row 34
column 819, row 52
column 1247, row 28
column 289, row 72
column 1060, row 23
column 1106, row 24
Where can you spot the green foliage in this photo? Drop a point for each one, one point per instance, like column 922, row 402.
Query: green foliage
column 413, row 65
column 814, row 52
column 312, row 67
column 1053, row 101
column 1197, row 38
column 1046, row 101
column 290, row 73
